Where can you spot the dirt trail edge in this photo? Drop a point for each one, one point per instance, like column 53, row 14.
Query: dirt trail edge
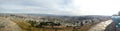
column 7, row 25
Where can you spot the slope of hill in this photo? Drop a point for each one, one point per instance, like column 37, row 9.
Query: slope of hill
column 25, row 22
column 8, row 25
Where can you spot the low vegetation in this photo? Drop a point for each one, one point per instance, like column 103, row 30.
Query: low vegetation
column 57, row 23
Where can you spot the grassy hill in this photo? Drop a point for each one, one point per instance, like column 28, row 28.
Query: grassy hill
column 54, row 23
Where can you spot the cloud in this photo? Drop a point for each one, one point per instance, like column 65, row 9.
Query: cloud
column 61, row 7
column 36, row 6
column 97, row 7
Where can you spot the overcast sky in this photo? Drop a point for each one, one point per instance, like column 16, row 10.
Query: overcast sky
column 61, row 7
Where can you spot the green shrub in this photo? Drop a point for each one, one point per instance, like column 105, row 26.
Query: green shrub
column 32, row 22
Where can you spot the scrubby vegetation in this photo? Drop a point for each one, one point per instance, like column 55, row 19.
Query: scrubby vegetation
column 56, row 23
column 32, row 23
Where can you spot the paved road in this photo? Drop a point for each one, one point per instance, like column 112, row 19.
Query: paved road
column 100, row 26
column 110, row 27
column 7, row 25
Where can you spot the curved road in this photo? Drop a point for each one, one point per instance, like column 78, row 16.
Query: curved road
column 100, row 26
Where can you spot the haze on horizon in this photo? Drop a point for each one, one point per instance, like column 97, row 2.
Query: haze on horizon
column 61, row 7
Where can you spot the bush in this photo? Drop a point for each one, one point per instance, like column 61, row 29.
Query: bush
column 32, row 22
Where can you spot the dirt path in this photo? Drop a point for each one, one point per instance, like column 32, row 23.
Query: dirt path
column 7, row 25
column 100, row 26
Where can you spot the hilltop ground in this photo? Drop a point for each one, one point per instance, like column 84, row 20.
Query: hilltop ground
column 32, row 23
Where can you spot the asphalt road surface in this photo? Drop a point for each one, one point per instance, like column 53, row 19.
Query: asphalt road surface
column 101, row 26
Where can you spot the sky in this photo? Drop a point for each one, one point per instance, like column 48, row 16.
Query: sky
column 61, row 7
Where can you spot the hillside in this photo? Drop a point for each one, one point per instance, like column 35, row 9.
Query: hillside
column 24, row 22
column 7, row 25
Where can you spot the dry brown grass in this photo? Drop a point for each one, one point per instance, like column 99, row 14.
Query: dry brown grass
column 85, row 27
column 27, row 27
column 24, row 25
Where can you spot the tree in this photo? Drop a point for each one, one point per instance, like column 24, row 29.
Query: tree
column 32, row 22
column 48, row 24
